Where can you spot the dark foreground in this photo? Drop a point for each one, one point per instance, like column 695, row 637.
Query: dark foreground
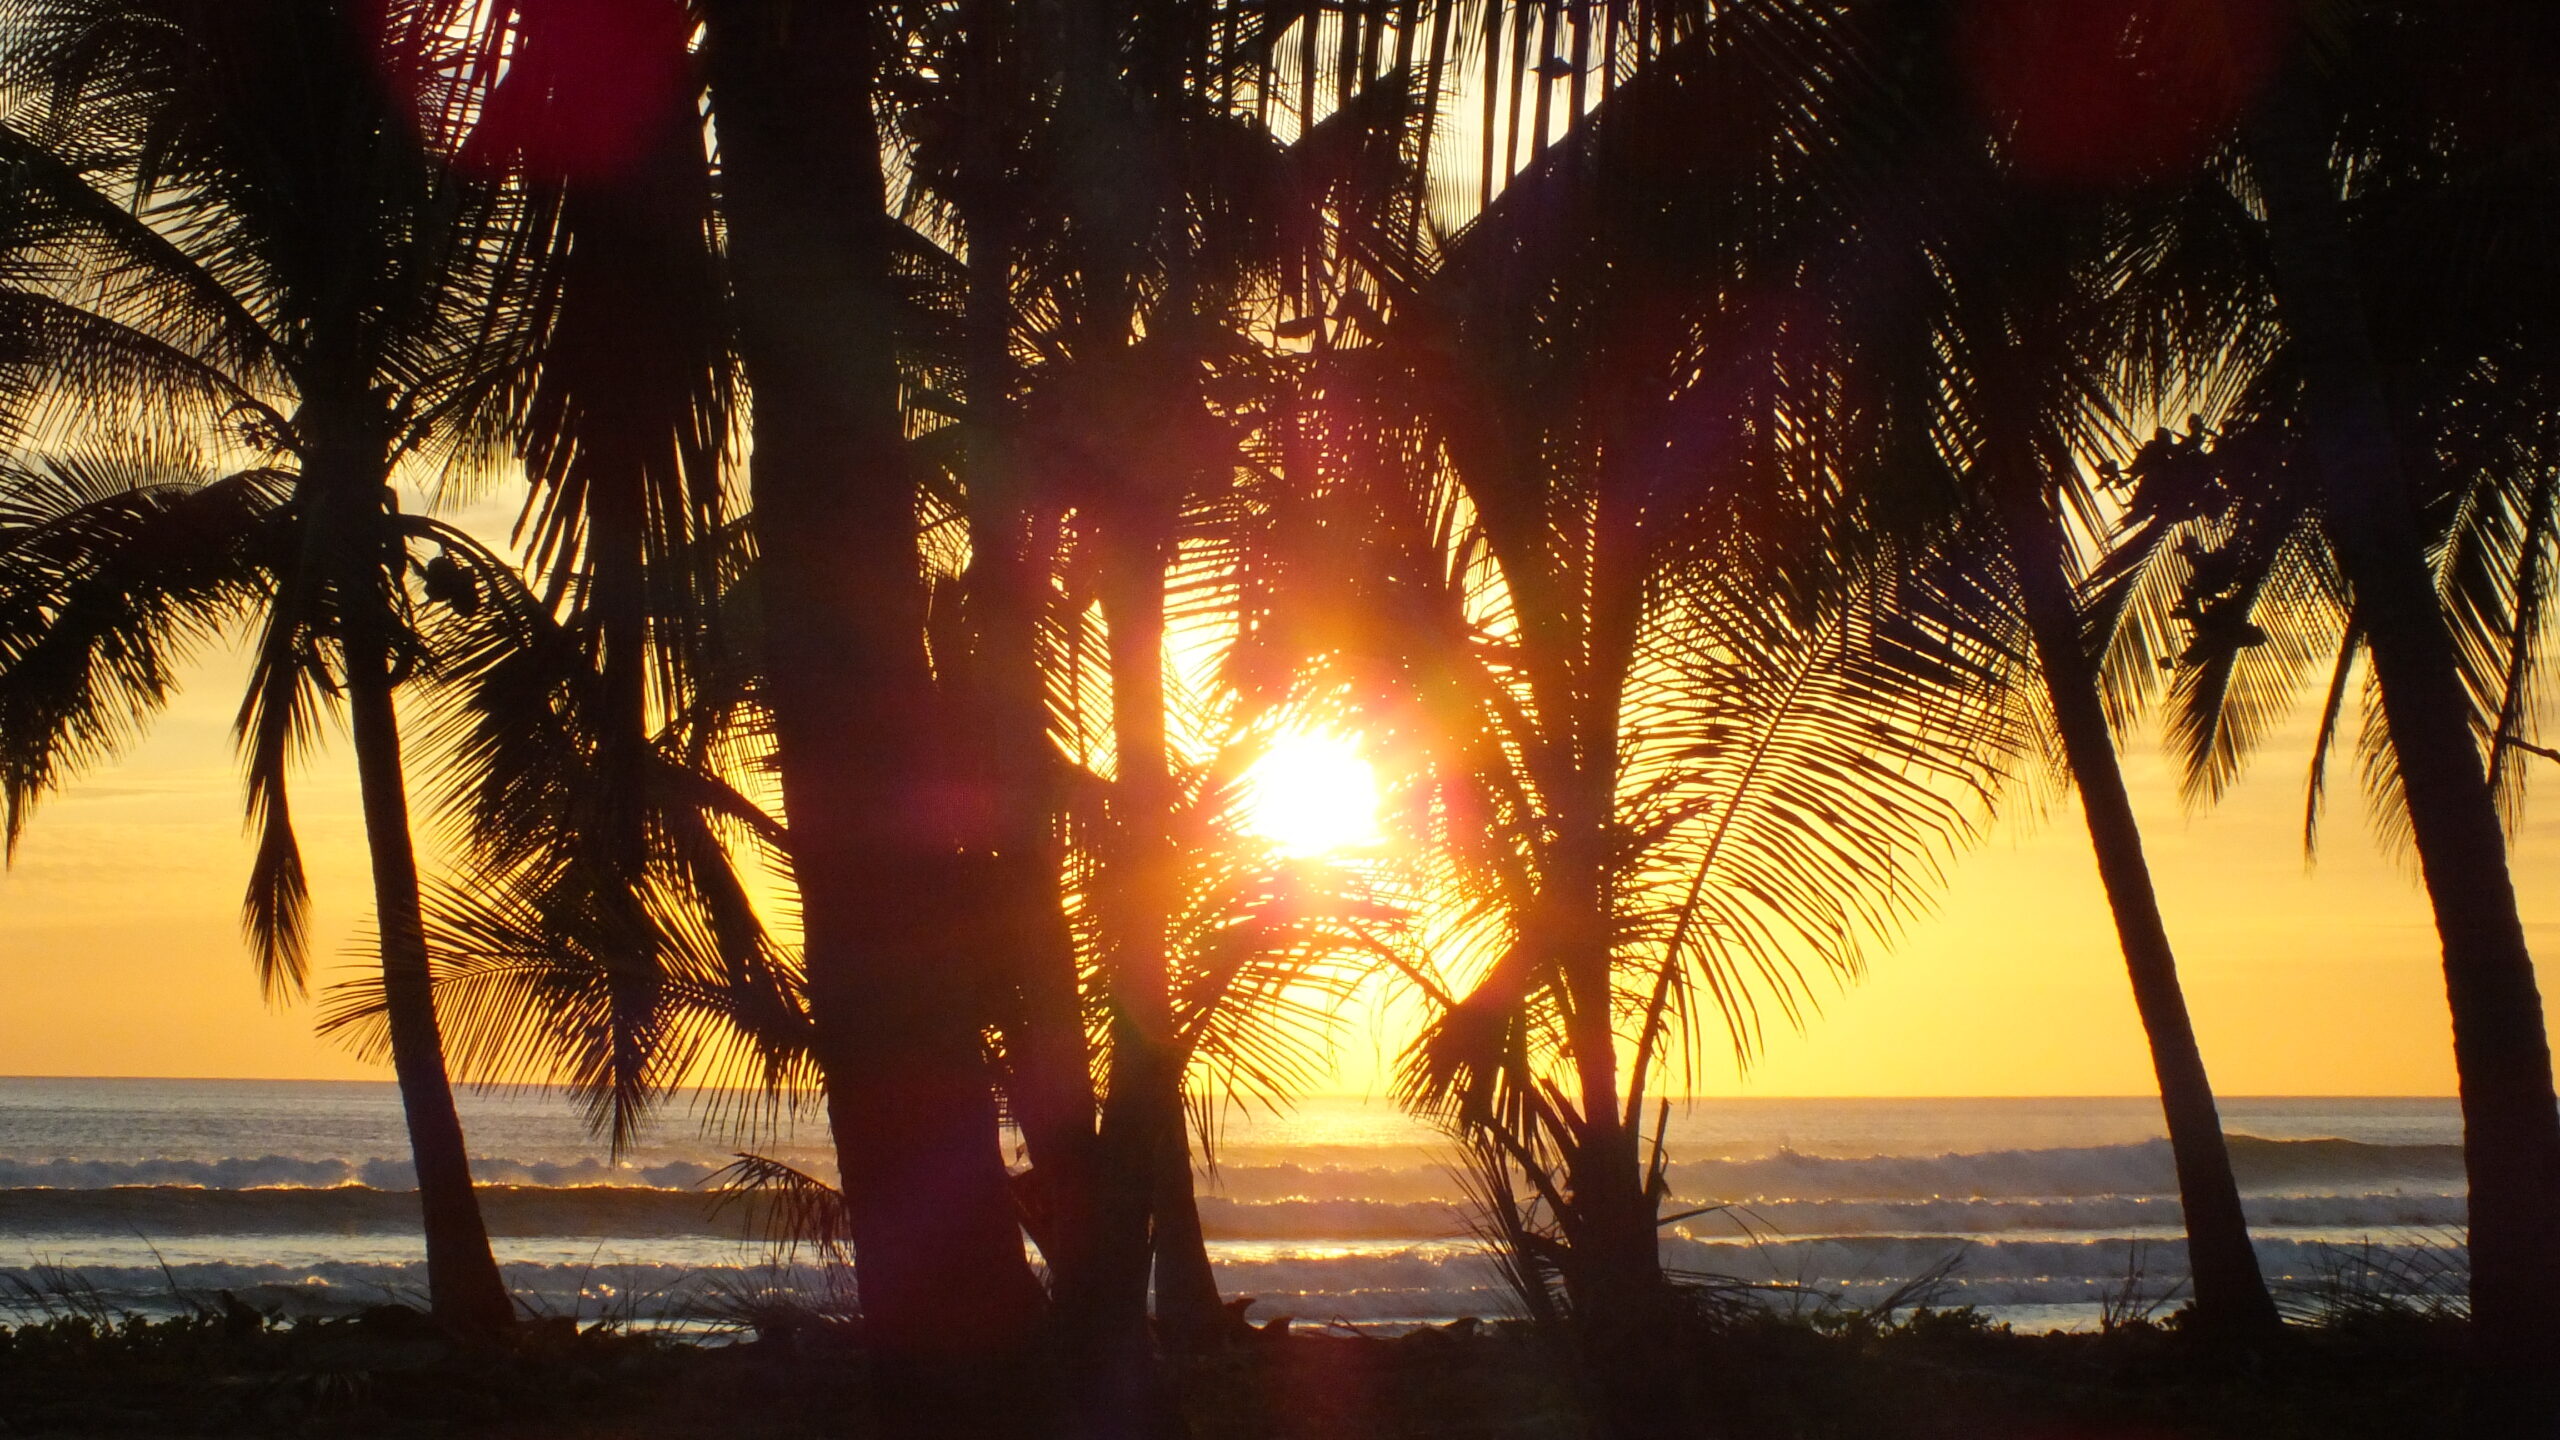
column 390, row 1374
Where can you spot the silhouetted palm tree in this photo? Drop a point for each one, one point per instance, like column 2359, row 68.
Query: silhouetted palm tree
column 222, row 204
column 586, row 722
column 2371, row 512
column 2005, row 325
column 1679, row 733
column 948, row 1298
column 2380, row 467
column 1126, row 222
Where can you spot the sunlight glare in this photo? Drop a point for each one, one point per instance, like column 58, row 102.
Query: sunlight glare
column 1312, row 794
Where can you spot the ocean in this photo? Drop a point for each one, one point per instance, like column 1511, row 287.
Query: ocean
column 135, row 1194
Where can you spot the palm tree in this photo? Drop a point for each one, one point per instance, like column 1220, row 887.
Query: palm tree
column 220, row 204
column 971, row 149
column 2382, row 363
column 1683, row 731
column 2006, row 326
column 2511, row 1124
column 584, row 728
column 948, row 1297
column 1124, row 220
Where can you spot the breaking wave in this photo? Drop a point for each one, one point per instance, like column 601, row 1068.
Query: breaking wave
column 2046, row 1232
column 2145, row 1168
column 2139, row 1169
column 286, row 1171
column 1367, row 1286
column 2312, row 1185
column 1226, row 1218
column 634, row 1213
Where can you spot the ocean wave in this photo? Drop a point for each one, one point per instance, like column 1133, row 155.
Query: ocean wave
column 2060, row 1264
column 2141, row 1169
column 1411, row 1284
column 293, row 1172
column 1225, row 1218
column 2387, row 1210
column 2138, row 1169
column 1396, row 1185
column 619, row 1212
column 647, row 1213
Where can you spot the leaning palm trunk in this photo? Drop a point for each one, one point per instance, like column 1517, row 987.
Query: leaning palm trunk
column 2511, row 1131
column 948, row 1298
column 463, row 1284
column 2231, row 1296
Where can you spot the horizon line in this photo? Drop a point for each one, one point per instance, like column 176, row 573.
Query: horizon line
column 1365, row 1096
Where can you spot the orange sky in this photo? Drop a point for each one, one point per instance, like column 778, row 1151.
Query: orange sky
column 121, row 954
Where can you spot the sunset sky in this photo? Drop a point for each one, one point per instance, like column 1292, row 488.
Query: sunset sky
column 121, row 955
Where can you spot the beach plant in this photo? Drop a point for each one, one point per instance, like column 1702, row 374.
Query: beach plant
column 2136, row 1300
column 2407, row 1282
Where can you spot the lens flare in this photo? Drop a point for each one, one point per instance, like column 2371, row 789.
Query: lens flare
column 1312, row 794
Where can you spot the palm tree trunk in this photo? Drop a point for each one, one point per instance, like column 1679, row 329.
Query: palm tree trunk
column 618, row 559
column 2231, row 1296
column 949, row 1300
column 1142, row 1106
column 2511, row 1127
column 344, row 474
column 1614, row 1276
column 1190, row 1314
column 1050, row 1083
column 463, row 1285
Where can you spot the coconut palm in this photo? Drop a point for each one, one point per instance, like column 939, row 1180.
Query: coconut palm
column 235, row 233
column 1125, row 220
column 860, row 745
column 1681, row 731
column 1243, row 952
column 585, row 728
column 2379, row 372
column 2511, row 1125
column 2008, row 326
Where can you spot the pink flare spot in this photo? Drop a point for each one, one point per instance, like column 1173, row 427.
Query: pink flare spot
column 2104, row 92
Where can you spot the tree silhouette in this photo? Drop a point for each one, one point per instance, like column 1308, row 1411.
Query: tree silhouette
column 949, row 1301
column 2379, row 470
column 2007, row 326
column 1588, row 555
column 228, row 222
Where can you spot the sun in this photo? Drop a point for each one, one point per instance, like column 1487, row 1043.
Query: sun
column 1312, row 793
